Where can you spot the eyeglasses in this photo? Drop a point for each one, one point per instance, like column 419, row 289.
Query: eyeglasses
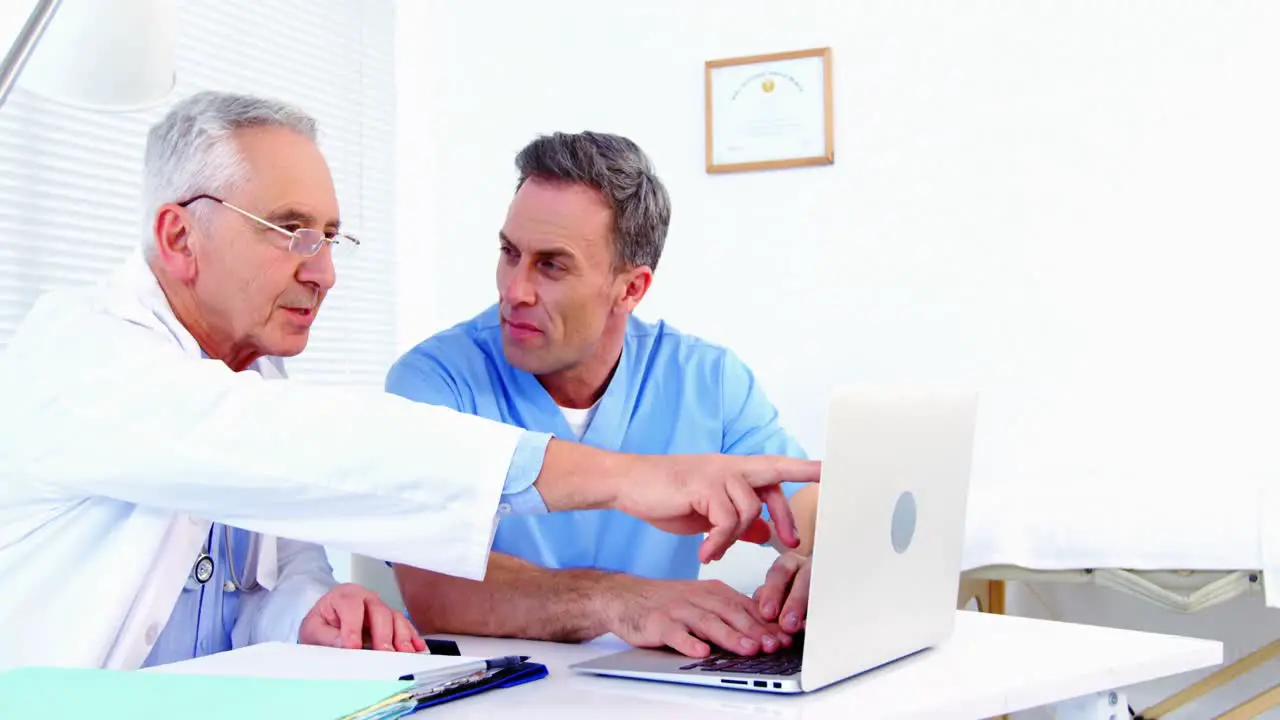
column 303, row 241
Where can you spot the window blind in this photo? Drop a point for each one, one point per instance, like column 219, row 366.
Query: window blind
column 70, row 180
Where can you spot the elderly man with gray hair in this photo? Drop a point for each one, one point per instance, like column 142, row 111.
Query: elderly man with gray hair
column 561, row 352
column 165, row 494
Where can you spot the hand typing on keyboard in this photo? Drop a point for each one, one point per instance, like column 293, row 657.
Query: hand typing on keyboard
column 689, row 616
column 785, row 662
column 784, row 596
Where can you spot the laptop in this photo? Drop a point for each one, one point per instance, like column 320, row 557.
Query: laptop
column 886, row 552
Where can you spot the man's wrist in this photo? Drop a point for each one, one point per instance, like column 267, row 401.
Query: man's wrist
column 604, row 593
column 580, row 477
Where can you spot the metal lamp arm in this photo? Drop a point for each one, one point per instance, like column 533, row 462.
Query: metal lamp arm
column 25, row 44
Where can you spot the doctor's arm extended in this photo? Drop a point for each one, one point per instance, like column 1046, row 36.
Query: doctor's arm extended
column 520, row 599
column 357, row 469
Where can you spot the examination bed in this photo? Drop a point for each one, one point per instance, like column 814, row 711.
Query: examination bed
column 1183, row 551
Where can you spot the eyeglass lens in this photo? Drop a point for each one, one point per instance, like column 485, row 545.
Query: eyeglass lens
column 307, row 241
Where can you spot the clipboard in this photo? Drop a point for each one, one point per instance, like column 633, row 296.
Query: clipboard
column 520, row 674
column 429, row 694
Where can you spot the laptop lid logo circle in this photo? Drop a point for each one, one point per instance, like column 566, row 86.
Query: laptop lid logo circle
column 903, row 529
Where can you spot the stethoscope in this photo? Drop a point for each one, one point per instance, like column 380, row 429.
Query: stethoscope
column 202, row 571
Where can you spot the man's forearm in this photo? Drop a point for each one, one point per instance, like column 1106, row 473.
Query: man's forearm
column 580, row 477
column 516, row 599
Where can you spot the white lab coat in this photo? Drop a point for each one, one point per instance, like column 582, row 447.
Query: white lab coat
column 120, row 444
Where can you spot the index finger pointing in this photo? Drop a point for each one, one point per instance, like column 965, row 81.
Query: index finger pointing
column 789, row 469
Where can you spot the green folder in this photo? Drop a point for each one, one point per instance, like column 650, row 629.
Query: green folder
column 56, row 693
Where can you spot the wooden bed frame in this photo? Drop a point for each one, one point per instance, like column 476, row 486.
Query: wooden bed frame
column 988, row 594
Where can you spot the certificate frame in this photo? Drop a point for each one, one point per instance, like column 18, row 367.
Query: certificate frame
column 792, row 129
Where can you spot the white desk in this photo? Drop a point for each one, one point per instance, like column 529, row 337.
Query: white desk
column 993, row 665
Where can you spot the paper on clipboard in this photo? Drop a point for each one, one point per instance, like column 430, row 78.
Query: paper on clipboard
column 312, row 662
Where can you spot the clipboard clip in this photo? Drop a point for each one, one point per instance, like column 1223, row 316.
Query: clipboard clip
column 437, row 691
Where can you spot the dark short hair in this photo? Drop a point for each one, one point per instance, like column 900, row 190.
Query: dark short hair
column 622, row 172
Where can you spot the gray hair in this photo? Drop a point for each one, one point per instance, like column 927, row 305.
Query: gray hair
column 618, row 168
column 191, row 151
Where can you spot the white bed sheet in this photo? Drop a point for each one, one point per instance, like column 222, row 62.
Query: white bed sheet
column 1206, row 526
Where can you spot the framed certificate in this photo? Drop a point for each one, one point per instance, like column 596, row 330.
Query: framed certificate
column 769, row 111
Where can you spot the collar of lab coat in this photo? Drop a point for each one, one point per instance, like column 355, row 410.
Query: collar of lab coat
column 135, row 295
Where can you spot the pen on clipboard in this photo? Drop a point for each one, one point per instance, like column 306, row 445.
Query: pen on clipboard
column 452, row 671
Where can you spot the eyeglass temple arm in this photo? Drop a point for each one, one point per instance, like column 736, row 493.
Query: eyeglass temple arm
column 251, row 216
column 268, row 223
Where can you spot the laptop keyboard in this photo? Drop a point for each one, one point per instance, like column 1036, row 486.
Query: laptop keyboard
column 782, row 662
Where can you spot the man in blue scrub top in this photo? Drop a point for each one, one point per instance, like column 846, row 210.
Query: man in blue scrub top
column 562, row 353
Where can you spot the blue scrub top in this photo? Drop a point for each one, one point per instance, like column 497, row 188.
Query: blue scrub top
column 672, row 393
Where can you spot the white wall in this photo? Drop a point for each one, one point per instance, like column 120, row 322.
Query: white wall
column 1068, row 205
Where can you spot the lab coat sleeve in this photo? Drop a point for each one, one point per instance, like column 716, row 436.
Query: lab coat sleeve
column 420, row 375
column 752, row 425
column 277, row 614
column 356, row 469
